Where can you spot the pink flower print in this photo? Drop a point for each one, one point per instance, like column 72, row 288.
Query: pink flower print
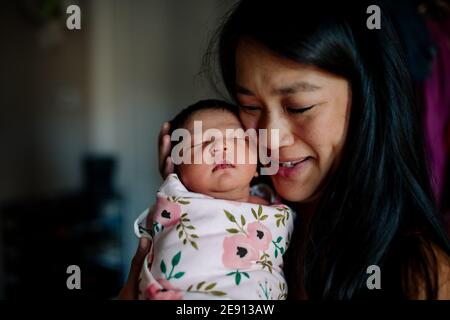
column 238, row 252
column 168, row 292
column 167, row 213
column 259, row 235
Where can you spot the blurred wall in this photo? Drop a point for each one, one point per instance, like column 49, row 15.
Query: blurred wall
column 144, row 61
column 44, row 107
column 106, row 88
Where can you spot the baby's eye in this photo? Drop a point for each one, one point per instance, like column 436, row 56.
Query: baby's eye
column 207, row 142
column 250, row 108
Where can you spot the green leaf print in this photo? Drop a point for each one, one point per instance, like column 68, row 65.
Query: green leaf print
column 278, row 247
column 240, row 228
column 266, row 290
column 212, row 285
column 229, row 216
column 194, row 245
column 264, row 260
column 282, row 217
column 176, row 259
column 200, row 285
column 207, row 289
column 242, row 220
column 283, row 291
column 254, row 214
column 186, row 231
column 238, row 278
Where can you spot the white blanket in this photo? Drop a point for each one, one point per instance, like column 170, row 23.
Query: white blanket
column 207, row 248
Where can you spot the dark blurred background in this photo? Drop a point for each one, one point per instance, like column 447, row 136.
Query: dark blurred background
column 80, row 112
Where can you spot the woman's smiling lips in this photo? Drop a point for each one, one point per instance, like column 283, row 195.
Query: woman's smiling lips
column 288, row 169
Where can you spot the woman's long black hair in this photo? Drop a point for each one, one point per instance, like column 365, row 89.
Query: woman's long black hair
column 377, row 207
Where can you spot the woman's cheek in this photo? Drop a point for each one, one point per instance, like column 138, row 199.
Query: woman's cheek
column 336, row 135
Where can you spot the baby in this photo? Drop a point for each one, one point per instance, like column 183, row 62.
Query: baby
column 212, row 239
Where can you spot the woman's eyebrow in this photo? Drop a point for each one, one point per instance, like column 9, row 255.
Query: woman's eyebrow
column 242, row 90
column 295, row 87
column 285, row 90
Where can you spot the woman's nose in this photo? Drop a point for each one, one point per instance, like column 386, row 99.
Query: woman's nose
column 278, row 132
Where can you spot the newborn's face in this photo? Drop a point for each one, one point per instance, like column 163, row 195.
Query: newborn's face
column 223, row 167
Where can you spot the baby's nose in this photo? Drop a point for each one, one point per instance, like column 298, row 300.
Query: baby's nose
column 219, row 146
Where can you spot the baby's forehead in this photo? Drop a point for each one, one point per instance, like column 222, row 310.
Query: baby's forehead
column 213, row 119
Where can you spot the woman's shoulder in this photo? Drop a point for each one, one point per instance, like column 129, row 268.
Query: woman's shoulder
column 443, row 267
column 435, row 253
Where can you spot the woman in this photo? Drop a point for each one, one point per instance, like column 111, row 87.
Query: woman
column 351, row 156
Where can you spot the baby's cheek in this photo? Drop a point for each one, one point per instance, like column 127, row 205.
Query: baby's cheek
column 247, row 172
column 195, row 177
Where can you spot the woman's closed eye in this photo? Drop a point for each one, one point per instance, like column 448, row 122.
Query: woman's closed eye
column 297, row 110
column 291, row 109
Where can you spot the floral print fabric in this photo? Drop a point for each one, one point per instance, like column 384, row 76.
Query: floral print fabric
column 206, row 248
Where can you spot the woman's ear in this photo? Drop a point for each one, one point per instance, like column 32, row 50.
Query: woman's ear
column 256, row 174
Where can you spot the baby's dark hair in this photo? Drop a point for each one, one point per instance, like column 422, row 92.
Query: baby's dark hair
column 182, row 118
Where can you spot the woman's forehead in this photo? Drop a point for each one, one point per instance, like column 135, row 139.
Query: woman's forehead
column 256, row 65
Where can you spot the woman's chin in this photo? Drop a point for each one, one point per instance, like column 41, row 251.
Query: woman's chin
column 292, row 191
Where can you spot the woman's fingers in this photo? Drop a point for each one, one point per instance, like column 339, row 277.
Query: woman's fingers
column 168, row 168
column 131, row 288
column 165, row 163
column 164, row 130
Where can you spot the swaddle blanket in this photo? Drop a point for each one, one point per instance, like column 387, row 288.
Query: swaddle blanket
column 207, row 248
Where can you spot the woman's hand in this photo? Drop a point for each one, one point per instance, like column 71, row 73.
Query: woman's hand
column 131, row 288
column 165, row 162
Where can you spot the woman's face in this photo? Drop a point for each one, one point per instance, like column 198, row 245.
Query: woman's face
column 309, row 107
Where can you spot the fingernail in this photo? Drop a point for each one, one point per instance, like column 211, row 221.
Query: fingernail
column 143, row 243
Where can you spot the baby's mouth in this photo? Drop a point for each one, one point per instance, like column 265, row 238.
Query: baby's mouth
column 223, row 165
